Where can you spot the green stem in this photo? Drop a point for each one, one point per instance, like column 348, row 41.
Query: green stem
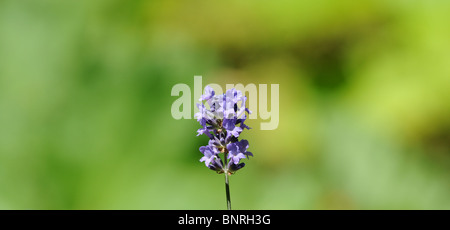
column 227, row 184
column 227, row 189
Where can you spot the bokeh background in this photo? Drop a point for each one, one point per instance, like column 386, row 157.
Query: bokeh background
column 85, row 104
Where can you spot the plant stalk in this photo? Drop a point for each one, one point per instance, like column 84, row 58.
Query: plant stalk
column 227, row 189
column 227, row 183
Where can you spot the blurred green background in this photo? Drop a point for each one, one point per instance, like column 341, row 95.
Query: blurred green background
column 85, row 119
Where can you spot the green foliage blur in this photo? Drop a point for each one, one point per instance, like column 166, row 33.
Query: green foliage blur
column 85, row 104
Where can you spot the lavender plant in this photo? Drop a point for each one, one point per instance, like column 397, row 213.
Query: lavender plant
column 222, row 119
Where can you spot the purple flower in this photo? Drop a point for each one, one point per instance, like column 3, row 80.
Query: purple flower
column 238, row 150
column 211, row 158
column 209, row 93
column 234, row 154
column 222, row 119
column 230, row 126
column 243, row 146
column 210, row 153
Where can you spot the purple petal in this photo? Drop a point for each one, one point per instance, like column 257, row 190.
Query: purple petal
column 229, row 124
column 232, row 149
column 236, row 131
column 209, row 93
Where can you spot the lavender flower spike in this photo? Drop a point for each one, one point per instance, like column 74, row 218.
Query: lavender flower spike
column 222, row 119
